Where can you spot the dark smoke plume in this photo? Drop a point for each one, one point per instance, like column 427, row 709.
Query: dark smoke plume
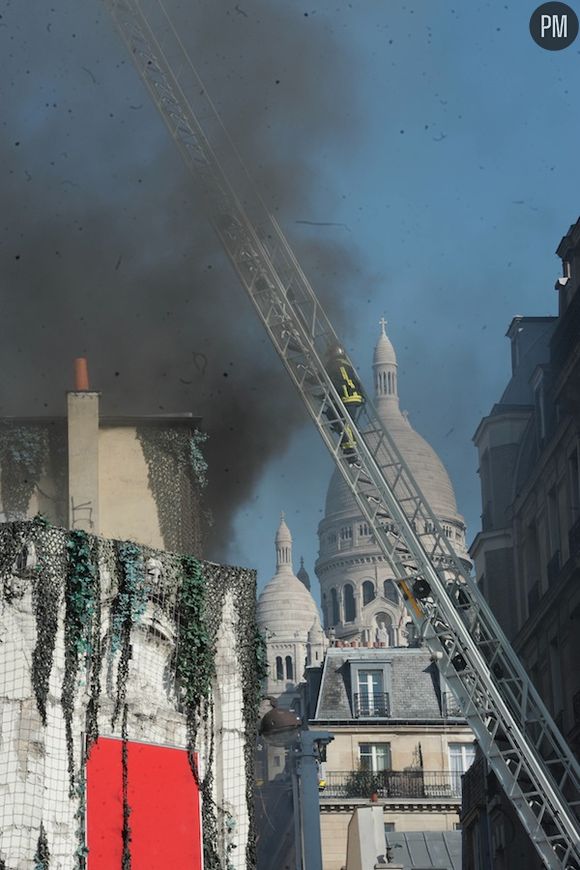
column 104, row 249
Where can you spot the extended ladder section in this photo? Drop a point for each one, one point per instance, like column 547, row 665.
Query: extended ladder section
column 515, row 731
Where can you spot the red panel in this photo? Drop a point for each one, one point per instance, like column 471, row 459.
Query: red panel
column 164, row 802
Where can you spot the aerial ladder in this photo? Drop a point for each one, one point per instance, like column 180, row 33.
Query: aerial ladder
column 525, row 749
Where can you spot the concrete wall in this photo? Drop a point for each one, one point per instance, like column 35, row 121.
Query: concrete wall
column 95, row 477
column 334, row 829
column 128, row 509
column 343, row 753
column 35, row 784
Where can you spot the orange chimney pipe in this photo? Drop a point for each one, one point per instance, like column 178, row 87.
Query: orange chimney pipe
column 81, row 375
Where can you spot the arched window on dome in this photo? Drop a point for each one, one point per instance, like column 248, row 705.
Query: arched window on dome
column 279, row 668
column 335, row 608
column 368, row 590
column 289, row 668
column 389, row 383
column 348, row 602
column 390, row 591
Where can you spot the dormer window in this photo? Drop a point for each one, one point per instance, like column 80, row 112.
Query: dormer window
column 371, row 699
column 370, row 686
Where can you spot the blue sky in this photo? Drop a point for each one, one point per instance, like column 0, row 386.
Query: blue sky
column 461, row 181
column 439, row 137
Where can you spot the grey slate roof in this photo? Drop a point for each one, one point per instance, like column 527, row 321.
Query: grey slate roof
column 429, row 850
column 414, row 691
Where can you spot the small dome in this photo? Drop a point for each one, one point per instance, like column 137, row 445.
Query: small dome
column 303, row 574
column 286, row 609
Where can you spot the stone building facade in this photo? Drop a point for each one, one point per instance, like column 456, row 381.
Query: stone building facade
column 359, row 599
column 103, row 651
column 111, row 647
column 139, row 478
column 399, row 743
column 527, row 555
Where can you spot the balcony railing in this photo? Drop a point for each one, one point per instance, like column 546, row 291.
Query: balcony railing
column 429, row 784
column 367, row 706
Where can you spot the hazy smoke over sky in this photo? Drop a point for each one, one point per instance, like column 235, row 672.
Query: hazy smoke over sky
column 104, row 250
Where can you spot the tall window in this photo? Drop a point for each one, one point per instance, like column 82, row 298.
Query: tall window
column 371, row 700
column 461, row 757
column 335, row 608
column 368, row 590
column 346, row 534
column 279, row 668
column 553, row 522
column 348, row 603
column 574, row 483
column 374, row 756
column 390, row 591
column 555, row 676
column 289, row 668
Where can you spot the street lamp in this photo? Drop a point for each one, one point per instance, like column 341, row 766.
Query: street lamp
column 283, row 728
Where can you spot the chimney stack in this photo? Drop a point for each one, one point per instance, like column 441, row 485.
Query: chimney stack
column 81, row 375
column 83, row 451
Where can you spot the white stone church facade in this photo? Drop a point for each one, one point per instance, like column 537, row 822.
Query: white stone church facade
column 360, row 602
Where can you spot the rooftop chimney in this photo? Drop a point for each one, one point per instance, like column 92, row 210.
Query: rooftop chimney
column 81, row 375
column 83, row 452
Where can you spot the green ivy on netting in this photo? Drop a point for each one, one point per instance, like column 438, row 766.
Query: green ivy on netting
column 127, row 608
column 126, row 832
column 194, row 666
column 42, row 854
column 194, row 663
column 23, row 456
column 81, row 593
column 45, row 597
column 175, row 460
column 68, row 568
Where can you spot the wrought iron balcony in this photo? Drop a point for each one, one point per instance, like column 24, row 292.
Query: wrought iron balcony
column 417, row 784
column 369, row 706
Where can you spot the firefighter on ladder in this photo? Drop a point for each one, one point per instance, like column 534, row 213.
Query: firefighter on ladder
column 348, row 387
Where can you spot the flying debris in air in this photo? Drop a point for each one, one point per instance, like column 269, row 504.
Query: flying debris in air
column 200, row 361
column 323, row 224
column 87, row 70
